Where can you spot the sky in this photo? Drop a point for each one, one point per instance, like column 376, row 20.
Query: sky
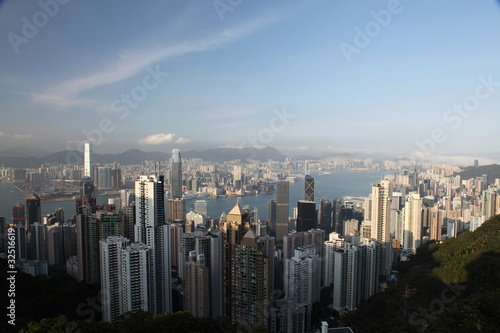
column 418, row 78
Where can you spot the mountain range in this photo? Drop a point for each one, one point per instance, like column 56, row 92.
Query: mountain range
column 19, row 159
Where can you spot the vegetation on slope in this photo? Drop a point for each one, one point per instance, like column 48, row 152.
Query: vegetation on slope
column 448, row 287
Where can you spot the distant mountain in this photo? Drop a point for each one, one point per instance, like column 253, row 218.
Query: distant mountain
column 228, row 154
column 136, row 156
column 493, row 171
column 23, row 152
column 327, row 156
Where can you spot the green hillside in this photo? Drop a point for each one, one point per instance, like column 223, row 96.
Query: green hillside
column 493, row 172
column 448, row 287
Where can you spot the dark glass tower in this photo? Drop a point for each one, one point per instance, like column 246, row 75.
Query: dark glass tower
column 33, row 210
column 306, row 215
column 308, row 188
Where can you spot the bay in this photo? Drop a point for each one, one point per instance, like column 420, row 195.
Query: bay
column 329, row 186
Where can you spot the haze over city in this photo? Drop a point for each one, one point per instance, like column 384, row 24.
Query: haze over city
column 368, row 77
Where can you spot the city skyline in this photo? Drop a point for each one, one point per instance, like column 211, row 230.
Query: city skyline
column 312, row 77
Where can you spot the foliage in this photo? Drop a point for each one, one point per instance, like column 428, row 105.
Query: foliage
column 448, row 287
column 178, row 322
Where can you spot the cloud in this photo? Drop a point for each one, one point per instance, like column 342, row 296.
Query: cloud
column 23, row 136
column 130, row 62
column 2, row 134
column 182, row 140
column 157, row 139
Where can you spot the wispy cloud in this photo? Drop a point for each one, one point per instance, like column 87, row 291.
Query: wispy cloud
column 130, row 62
column 157, row 139
column 23, row 136
column 182, row 140
column 161, row 138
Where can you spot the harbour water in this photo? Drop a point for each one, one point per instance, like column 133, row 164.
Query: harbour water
column 329, row 186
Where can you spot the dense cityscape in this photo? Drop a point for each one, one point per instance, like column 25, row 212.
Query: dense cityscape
column 149, row 254
column 250, row 166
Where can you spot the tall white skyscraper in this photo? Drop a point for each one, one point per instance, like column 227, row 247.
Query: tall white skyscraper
column 111, row 276
column 302, row 276
column 412, row 222
column 139, row 292
column 380, row 222
column 150, row 228
column 87, row 160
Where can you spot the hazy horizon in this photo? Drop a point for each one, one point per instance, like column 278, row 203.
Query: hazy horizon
column 378, row 78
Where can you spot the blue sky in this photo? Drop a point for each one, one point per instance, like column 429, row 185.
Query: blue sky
column 344, row 81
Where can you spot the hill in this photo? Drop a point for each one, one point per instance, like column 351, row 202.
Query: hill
column 136, row 156
column 448, row 287
column 492, row 170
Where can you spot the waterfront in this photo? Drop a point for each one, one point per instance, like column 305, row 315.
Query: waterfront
column 330, row 186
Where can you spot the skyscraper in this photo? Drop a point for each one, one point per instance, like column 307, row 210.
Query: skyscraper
column 250, row 282
column 33, row 210
column 412, row 222
column 306, row 215
column 18, row 214
column 308, row 188
column 197, row 286
column 282, row 210
column 337, row 217
column 137, row 280
column 111, row 251
column 325, row 216
column 380, row 222
column 87, row 245
column 151, row 229
column 37, row 241
column 87, row 172
column 176, row 175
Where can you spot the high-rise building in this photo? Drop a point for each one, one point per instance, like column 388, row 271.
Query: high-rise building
column 116, row 178
column 251, row 282
column 33, row 210
column 18, row 216
column 282, row 210
column 308, row 188
column 87, row 243
column 21, row 242
column 325, row 216
column 139, row 292
column 104, row 178
column 176, row 175
column 109, row 224
column 489, row 203
column 232, row 229
column 334, row 242
column 306, row 215
column 412, row 222
column 200, row 206
column 37, row 242
column 302, row 276
column 355, row 274
column 380, row 222
column 197, row 286
column 111, row 257
column 151, row 230
column 337, row 218
column 176, row 210
column 87, row 163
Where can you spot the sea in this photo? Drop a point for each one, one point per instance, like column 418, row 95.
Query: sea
column 328, row 186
